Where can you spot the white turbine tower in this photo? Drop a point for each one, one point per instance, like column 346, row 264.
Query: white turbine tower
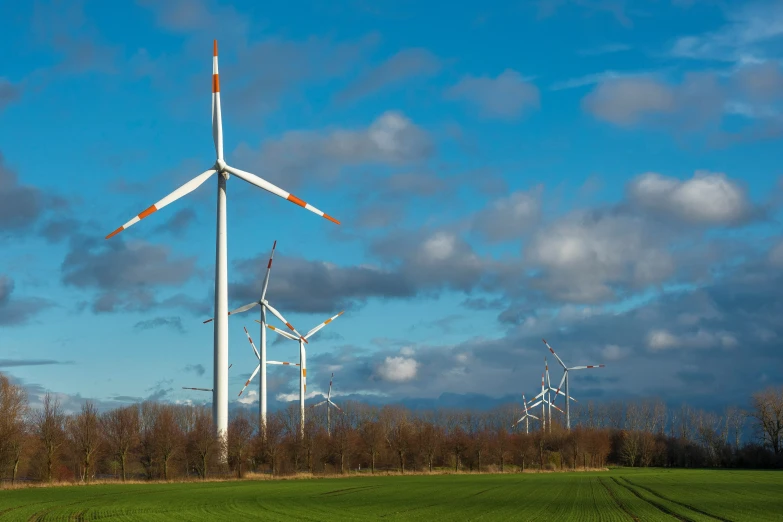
column 262, row 395
column 258, row 356
column 302, row 364
column 329, row 404
column 566, row 369
column 220, row 368
column 526, row 416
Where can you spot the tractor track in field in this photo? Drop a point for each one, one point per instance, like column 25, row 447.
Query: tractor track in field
column 483, row 491
column 656, row 505
column 618, row 502
column 346, row 491
column 683, row 504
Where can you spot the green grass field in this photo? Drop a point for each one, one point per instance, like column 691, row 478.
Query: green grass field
column 646, row 495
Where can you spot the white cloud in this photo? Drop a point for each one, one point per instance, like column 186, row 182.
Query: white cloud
column 658, row 340
column 661, row 340
column 612, row 352
column 398, row 369
column 752, row 27
column 506, row 96
column 508, row 217
column 624, row 101
column 586, row 255
column 294, row 396
column 392, row 139
column 707, row 198
column 776, row 254
column 696, row 100
column 250, row 397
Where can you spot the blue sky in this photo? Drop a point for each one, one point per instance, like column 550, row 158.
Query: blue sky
column 604, row 174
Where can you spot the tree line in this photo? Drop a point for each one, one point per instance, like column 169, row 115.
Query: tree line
column 168, row 441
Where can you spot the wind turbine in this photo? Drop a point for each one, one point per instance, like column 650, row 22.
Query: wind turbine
column 262, row 400
column 526, row 416
column 220, row 393
column 543, row 395
column 258, row 356
column 302, row 363
column 566, row 369
column 328, row 403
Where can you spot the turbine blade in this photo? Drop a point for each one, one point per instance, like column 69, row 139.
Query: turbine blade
column 280, row 316
column 553, row 353
column 283, row 363
column 531, row 406
column 268, row 269
column 269, row 187
column 250, row 379
column 329, row 395
column 253, row 345
column 314, row 330
column 588, row 367
column 336, row 406
column 187, row 188
column 197, row 389
column 320, row 403
column 281, row 332
column 217, row 118
column 559, row 386
column 243, row 308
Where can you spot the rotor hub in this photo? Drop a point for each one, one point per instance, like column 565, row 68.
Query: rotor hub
column 220, row 166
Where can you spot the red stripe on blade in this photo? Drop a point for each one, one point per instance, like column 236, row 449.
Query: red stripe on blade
column 115, row 232
column 294, row 199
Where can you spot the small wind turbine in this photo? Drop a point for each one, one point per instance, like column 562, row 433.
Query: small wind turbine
column 526, row 416
column 220, row 367
column 329, row 403
column 543, row 395
column 566, row 369
column 302, row 364
column 262, row 401
column 258, row 356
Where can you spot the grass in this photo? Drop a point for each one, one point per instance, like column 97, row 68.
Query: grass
column 645, row 495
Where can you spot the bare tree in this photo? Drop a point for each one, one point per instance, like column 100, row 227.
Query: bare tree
column 429, row 437
column 397, row 430
column 342, row 439
column 203, row 443
column 240, row 433
column 13, row 426
column 85, row 436
column 768, row 413
column 167, row 436
column 371, row 435
column 121, row 432
column 48, row 426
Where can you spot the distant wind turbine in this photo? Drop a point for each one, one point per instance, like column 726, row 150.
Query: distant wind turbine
column 526, row 416
column 329, row 406
column 566, row 369
column 302, row 364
